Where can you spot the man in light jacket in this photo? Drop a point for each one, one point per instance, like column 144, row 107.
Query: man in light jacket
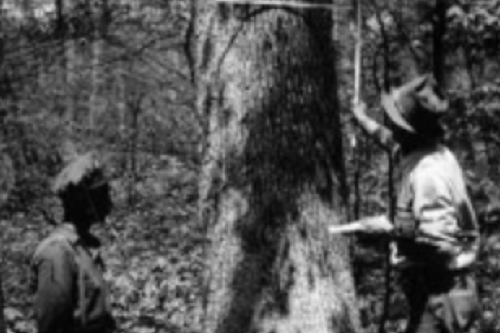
column 435, row 232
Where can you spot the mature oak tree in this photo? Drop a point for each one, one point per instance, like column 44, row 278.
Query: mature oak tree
column 272, row 177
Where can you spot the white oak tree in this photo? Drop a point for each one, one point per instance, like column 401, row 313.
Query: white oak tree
column 272, row 176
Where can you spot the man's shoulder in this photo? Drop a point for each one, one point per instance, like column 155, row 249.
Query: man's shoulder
column 57, row 242
column 439, row 169
column 440, row 159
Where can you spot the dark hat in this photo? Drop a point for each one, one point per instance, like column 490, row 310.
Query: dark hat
column 416, row 106
column 80, row 168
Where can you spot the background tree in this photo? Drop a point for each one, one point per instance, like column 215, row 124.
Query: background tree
column 7, row 176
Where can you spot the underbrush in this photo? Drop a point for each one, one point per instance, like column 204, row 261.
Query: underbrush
column 153, row 252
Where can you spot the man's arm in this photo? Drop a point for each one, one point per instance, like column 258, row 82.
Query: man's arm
column 381, row 134
column 380, row 225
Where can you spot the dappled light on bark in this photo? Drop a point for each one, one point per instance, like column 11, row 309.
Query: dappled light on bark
column 272, row 176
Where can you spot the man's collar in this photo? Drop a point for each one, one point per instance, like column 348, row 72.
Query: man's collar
column 412, row 158
column 74, row 236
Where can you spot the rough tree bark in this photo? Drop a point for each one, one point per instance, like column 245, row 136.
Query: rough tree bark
column 272, row 178
column 7, row 177
column 2, row 302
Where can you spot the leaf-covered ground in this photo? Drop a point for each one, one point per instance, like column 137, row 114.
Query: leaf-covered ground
column 153, row 252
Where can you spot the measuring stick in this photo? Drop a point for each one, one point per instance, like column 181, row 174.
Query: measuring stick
column 296, row 4
column 357, row 54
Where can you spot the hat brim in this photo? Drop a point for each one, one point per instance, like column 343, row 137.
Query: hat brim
column 393, row 112
column 75, row 172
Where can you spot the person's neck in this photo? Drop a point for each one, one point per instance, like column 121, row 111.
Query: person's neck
column 81, row 227
column 420, row 146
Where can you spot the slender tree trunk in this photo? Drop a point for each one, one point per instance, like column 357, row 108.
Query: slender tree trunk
column 121, row 92
column 70, row 68
column 2, row 303
column 64, row 32
column 357, row 180
column 272, row 173
column 438, row 38
column 5, row 182
column 135, row 111
column 95, row 69
column 7, row 177
column 70, row 62
column 100, row 18
column 3, row 197
column 60, row 26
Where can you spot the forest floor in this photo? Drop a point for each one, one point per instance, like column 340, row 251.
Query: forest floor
column 153, row 252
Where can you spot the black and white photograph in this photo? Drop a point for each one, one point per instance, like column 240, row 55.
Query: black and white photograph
column 249, row 166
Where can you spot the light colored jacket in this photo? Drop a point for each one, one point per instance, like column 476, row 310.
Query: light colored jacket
column 67, row 278
column 433, row 200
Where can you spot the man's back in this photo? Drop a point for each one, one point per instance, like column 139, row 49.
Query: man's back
column 69, row 285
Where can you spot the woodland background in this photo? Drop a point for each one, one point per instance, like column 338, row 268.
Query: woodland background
column 116, row 76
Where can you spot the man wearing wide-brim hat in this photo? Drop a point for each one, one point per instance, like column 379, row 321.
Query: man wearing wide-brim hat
column 435, row 232
column 70, row 291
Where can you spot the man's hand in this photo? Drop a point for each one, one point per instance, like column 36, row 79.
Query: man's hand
column 377, row 225
column 372, row 225
column 359, row 110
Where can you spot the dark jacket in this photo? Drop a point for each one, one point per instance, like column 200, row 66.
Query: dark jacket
column 70, row 291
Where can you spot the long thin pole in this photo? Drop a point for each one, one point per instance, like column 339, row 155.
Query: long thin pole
column 296, row 4
column 356, row 99
column 357, row 54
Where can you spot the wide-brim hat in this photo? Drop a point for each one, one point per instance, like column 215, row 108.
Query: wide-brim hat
column 416, row 106
column 77, row 170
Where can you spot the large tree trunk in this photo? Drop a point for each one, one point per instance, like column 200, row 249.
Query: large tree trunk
column 272, row 175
